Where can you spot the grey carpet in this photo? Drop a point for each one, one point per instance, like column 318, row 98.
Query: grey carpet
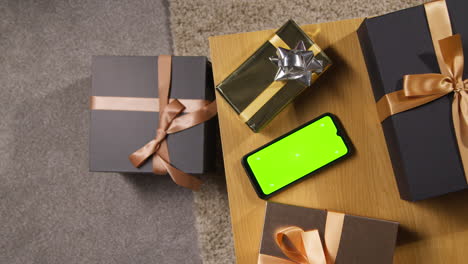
column 207, row 18
column 193, row 21
column 52, row 209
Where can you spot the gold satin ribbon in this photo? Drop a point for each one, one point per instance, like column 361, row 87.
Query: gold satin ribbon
column 261, row 100
column 438, row 20
column 140, row 104
column 305, row 247
column 171, row 120
column 419, row 89
column 275, row 86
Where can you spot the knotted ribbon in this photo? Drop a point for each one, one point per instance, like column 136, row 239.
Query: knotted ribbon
column 171, row 120
column 419, row 89
column 305, row 247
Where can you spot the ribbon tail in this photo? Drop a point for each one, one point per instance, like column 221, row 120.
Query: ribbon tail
column 460, row 123
column 138, row 157
column 267, row 259
column 179, row 177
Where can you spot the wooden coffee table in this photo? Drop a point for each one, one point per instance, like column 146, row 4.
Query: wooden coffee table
column 433, row 231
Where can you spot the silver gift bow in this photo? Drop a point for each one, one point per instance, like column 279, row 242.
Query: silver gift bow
column 296, row 64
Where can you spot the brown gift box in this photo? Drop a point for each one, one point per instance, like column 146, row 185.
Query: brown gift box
column 422, row 142
column 363, row 240
column 114, row 135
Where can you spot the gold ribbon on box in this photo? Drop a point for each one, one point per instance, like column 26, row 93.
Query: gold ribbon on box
column 275, row 86
column 419, row 89
column 306, row 247
column 174, row 115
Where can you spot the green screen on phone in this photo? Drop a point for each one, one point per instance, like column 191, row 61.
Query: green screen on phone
column 297, row 155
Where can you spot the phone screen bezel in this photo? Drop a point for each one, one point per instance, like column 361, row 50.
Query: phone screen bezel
column 340, row 131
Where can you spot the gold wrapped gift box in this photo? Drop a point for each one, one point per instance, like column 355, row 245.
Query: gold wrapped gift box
column 251, row 89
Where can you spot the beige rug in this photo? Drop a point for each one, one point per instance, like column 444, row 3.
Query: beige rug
column 192, row 22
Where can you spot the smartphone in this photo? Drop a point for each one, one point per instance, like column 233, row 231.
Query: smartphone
column 297, row 154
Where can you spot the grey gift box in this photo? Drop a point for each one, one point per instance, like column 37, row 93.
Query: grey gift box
column 114, row 135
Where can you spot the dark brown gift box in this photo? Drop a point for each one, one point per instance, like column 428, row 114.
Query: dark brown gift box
column 421, row 141
column 114, row 135
column 363, row 240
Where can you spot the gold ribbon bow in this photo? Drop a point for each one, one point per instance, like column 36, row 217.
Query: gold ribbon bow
column 171, row 121
column 302, row 247
column 305, row 247
column 419, row 89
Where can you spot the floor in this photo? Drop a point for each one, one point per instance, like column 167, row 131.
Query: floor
column 53, row 210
